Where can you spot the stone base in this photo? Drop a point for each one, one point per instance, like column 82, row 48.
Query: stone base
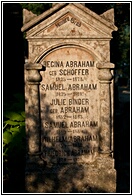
column 97, row 177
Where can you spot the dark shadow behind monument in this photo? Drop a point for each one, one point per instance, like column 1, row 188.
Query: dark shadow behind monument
column 13, row 51
column 13, row 83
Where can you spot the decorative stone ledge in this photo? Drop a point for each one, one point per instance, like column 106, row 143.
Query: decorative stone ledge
column 105, row 75
column 34, row 76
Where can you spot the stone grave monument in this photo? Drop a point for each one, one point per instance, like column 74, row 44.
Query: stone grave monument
column 69, row 101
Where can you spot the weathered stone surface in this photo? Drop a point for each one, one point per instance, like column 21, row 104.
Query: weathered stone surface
column 73, row 178
column 69, row 101
column 69, row 94
column 108, row 15
column 27, row 16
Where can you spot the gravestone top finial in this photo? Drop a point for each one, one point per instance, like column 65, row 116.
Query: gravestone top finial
column 108, row 15
column 27, row 16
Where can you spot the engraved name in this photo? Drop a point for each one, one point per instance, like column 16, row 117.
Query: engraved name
column 69, row 64
column 74, row 124
column 61, row 87
column 71, row 138
column 76, row 152
column 84, row 101
column 74, row 110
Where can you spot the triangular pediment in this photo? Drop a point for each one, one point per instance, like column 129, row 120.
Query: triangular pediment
column 72, row 21
column 68, row 25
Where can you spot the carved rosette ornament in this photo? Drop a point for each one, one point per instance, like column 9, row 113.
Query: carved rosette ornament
column 105, row 76
column 33, row 116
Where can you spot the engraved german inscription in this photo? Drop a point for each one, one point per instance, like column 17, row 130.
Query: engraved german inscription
column 69, row 104
column 68, row 19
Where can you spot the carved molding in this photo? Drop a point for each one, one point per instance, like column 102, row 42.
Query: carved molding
column 104, row 74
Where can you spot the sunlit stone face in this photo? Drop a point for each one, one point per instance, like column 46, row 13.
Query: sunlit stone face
column 69, row 94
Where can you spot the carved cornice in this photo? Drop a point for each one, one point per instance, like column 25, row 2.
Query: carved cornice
column 105, row 75
column 34, row 76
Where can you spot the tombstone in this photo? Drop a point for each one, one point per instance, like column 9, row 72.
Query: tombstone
column 69, row 101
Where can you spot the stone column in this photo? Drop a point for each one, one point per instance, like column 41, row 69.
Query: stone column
column 33, row 114
column 105, row 78
column 34, row 163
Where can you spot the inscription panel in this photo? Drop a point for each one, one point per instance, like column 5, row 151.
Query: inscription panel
column 69, row 94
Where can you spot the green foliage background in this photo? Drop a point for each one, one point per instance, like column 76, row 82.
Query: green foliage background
column 13, row 134
column 36, row 8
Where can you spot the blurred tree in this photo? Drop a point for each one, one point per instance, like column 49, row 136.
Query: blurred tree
column 121, row 46
column 36, row 8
